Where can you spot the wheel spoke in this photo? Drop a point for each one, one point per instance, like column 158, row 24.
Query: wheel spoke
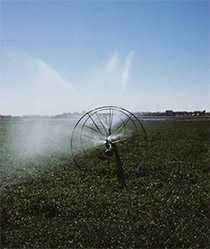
column 96, row 125
column 106, row 121
column 102, row 124
column 110, row 120
column 89, row 137
column 123, row 124
column 91, row 128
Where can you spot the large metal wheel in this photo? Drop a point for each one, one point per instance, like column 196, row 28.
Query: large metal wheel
column 97, row 130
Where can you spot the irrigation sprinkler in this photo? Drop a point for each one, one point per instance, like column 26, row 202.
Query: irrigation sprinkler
column 111, row 134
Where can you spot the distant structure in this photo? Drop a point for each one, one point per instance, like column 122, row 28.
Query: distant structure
column 167, row 114
column 5, row 116
column 69, row 115
column 176, row 114
column 199, row 113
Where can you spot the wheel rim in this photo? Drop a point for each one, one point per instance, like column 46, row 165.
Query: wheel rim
column 119, row 125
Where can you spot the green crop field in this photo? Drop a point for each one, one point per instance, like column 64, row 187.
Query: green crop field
column 56, row 205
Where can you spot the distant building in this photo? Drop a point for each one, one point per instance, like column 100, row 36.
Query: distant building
column 182, row 113
column 5, row 116
column 169, row 113
column 199, row 113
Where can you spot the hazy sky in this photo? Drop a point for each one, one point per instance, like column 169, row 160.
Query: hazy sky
column 60, row 56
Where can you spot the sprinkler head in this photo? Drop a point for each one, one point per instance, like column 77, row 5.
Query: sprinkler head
column 108, row 145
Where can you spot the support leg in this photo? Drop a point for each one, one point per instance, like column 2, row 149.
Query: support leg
column 119, row 167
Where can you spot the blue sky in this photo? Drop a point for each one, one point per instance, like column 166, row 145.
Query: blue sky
column 59, row 56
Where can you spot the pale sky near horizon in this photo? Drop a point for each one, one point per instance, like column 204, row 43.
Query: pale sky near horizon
column 61, row 56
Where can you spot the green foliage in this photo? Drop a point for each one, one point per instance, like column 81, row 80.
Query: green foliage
column 167, row 207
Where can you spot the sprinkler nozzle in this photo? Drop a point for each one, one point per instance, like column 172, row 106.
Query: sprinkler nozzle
column 108, row 145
